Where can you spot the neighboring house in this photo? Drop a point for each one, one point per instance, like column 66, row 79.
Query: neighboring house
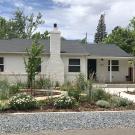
column 63, row 60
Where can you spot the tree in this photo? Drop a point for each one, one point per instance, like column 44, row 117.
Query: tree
column 38, row 35
column 101, row 30
column 19, row 23
column 33, row 62
column 122, row 37
column 32, row 23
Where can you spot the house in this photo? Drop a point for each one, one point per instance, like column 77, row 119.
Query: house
column 63, row 60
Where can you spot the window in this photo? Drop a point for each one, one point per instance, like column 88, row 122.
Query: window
column 74, row 65
column 115, row 65
column 1, row 64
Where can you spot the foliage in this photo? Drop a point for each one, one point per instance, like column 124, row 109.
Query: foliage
column 120, row 102
column 122, row 37
column 101, row 30
column 38, row 35
column 22, row 101
column 74, row 93
column 4, row 89
column 81, row 82
column 33, row 62
column 103, row 103
column 99, row 94
column 20, row 26
column 4, row 106
column 67, row 86
column 14, row 89
column 43, row 83
column 65, row 102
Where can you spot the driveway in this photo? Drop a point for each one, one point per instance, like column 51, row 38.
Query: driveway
column 119, row 131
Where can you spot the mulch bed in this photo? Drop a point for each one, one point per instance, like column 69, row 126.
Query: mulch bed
column 82, row 108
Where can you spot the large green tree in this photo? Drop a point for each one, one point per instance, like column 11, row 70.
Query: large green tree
column 101, row 30
column 20, row 26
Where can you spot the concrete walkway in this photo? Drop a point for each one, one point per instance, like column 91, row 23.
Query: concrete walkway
column 116, row 131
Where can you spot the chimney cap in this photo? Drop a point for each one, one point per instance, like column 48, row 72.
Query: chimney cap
column 55, row 25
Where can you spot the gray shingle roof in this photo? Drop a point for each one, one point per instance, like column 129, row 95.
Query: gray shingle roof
column 67, row 46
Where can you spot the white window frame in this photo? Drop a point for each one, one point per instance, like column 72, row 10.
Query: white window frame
column 74, row 65
column 113, row 65
column 2, row 64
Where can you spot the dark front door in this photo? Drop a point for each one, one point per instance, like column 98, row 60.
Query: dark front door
column 92, row 68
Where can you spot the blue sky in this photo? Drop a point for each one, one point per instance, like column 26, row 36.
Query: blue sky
column 74, row 17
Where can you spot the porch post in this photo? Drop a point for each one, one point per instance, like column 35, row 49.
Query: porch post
column 110, row 71
column 133, row 71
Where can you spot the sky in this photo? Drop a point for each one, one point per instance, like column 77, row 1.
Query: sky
column 74, row 17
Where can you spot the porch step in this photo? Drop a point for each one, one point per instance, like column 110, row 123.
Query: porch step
column 114, row 85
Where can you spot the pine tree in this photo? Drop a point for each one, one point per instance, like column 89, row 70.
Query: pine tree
column 101, row 30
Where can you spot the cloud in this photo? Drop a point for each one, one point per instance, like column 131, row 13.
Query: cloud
column 75, row 17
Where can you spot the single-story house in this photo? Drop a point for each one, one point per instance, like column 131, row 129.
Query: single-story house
column 63, row 60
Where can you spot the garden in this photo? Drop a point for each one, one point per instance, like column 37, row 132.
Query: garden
column 79, row 96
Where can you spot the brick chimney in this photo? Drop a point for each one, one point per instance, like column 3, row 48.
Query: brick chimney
column 55, row 65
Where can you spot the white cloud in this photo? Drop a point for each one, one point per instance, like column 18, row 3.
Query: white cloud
column 76, row 17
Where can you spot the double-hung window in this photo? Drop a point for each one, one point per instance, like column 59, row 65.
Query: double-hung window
column 1, row 64
column 74, row 65
column 114, row 65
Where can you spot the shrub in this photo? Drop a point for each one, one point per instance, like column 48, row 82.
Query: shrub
column 65, row 102
column 43, row 83
column 4, row 89
column 13, row 89
column 4, row 106
column 103, row 103
column 99, row 94
column 81, row 82
column 22, row 101
column 74, row 93
column 120, row 102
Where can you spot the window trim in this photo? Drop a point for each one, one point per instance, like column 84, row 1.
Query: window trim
column 74, row 65
column 2, row 64
column 113, row 65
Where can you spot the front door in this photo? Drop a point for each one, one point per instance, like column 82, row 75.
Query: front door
column 91, row 67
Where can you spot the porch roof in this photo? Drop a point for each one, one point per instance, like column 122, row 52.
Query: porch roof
column 67, row 47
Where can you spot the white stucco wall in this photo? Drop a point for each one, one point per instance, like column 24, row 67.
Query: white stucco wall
column 103, row 74
column 14, row 68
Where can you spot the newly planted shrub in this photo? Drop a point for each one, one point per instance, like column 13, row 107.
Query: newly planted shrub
column 99, row 94
column 4, row 89
column 103, row 104
column 22, row 101
column 4, row 106
column 120, row 102
column 65, row 102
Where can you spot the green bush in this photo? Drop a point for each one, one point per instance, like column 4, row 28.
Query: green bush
column 99, row 94
column 65, row 102
column 66, row 86
column 13, row 89
column 22, row 101
column 4, row 89
column 120, row 102
column 81, row 82
column 4, row 106
column 74, row 93
column 103, row 104
column 43, row 83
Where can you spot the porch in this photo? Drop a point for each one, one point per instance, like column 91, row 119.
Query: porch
column 111, row 69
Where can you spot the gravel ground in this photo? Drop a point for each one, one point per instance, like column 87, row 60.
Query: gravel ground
column 35, row 122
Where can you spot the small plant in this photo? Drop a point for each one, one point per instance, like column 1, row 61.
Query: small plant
column 65, row 102
column 22, row 101
column 4, row 89
column 74, row 93
column 99, row 94
column 103, row 104
column 43, row 83
column 4, row 106
column 120, row 102
column 81, row 82
column 13, row 89
column 67, row 86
